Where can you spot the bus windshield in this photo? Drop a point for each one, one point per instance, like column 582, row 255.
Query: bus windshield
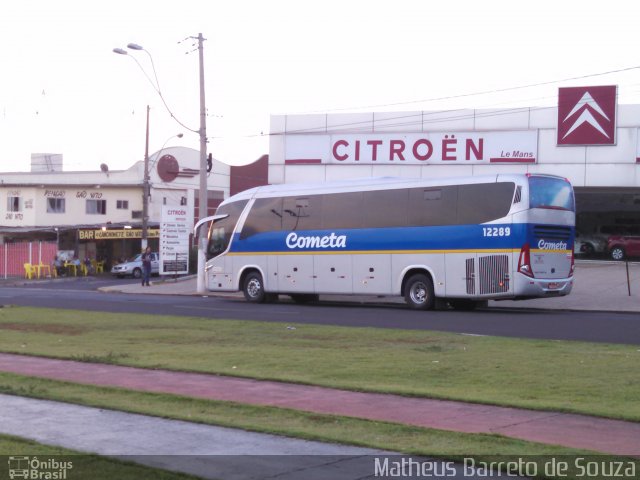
column 550, row 192
column 221, row 229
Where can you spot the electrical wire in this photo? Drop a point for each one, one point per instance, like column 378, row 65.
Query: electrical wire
column 469, row 113
column 436, row 117
column 156, row 88
column 484, row 92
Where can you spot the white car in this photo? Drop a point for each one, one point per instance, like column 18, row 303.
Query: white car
column 133, row 267
column 590, row 244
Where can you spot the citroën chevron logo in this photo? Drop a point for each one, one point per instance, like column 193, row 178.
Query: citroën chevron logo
column 587, row 115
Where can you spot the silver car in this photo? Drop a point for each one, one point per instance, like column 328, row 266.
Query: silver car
column 133, row 267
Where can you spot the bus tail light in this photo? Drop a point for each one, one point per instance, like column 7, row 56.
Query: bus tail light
column 573, row 264
column 524, row 262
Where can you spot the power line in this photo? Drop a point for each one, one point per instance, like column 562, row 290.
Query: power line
column 483, row 92
column 436, row 117
column 466, row 115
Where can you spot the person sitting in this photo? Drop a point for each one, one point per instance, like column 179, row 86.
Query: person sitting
column 88, row 265
column 58, row 264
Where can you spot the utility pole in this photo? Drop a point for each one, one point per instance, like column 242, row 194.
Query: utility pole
column 202, row 194
column 145, row 189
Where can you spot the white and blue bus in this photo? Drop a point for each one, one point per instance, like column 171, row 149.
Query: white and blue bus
column 457, row 241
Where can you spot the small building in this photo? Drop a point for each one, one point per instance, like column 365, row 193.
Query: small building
column 98, row 214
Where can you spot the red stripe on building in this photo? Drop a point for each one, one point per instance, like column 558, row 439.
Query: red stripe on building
column 512, row 160
column 303, row 161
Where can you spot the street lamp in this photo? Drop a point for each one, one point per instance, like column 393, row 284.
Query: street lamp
column 159, row 153
column 145, row 191
column 202, row 132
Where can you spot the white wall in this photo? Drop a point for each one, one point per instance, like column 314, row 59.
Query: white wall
column 584, row 166
column 77, row 187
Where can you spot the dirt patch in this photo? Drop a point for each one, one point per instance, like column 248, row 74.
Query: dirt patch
column 55, row 328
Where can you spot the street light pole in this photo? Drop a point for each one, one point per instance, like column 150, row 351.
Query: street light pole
column 145, row 189
column 202, row 193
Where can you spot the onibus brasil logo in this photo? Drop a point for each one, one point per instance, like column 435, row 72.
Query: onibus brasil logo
column 36, row 469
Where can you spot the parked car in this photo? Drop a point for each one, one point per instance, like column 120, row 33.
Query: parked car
column 622, row 246
column 595, row 240
column 133, row 267
column 588, row 244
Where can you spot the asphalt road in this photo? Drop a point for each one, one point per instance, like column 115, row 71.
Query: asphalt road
column 81, row 294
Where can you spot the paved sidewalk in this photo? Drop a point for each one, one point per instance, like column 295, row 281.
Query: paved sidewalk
column 576, row 431
column 203, row 450
column 599, row 286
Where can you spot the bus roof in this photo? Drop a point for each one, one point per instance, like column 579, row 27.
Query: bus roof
column 368, row 183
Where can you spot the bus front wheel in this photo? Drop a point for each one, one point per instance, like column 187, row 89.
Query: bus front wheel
column 418, row 292
column 253, row 288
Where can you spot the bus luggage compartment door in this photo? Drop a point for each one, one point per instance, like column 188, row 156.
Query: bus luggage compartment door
column 295, row 274
column 333, row 274
column 461, row 275
column 372, row 274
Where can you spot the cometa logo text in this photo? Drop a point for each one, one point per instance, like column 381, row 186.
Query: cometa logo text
column 544, row 245
column 327, row 241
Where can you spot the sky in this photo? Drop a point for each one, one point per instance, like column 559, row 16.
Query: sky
column 63, row 89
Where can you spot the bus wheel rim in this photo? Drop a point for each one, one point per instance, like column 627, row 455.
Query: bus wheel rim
column 419, row 293
column 254, row 287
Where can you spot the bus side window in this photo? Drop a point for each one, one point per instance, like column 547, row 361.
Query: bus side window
column 433, row 206
column 484, row 202
column 265, row 216
column 342, row 210
column 302, row 213
column 385, row 208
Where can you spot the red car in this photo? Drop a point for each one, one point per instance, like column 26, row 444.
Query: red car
column 622, row 246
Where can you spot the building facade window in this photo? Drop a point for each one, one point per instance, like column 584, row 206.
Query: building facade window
column 55, row 205
column 14, row 204
column 98, row 207
column 122, row 204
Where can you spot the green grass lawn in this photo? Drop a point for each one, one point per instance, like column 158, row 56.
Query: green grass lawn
column 281, row 421
column 385, row 436
column 597, row 379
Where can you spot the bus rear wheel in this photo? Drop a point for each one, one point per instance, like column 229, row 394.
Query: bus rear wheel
column 253, row 288
column 418, row 292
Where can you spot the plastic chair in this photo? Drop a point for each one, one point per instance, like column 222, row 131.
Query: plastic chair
column 30, row 271
column 42, row 268
column 99, row 267
column 84, row 270
column 71, row 268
